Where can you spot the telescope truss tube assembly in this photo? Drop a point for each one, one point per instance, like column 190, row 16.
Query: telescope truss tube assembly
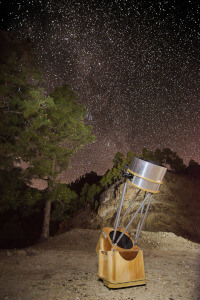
column 120, row 259
column 147, row 177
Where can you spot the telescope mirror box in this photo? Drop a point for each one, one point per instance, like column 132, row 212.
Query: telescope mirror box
column 120, row 261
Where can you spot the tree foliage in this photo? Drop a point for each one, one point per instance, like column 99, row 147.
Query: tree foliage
column 55, row 133
column 115, row 173
column 165, row 157
column 192, row 162
column 64, row 202
column 15, row 194
column 19, row 100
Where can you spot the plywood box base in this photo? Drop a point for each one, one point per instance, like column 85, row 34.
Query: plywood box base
column 117, row 266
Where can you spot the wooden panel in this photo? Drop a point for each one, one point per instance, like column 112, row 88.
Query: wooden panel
column 103, row 265
column 129, row 270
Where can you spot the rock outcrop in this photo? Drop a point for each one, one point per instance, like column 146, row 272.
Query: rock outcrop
column 175, row 209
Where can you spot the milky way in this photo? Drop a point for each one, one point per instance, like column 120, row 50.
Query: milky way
column 133, row 64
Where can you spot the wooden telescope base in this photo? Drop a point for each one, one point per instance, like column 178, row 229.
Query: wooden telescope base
column 119, row 267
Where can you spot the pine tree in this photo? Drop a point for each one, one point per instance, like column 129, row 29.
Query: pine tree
column 43, row 131
column 48, row 142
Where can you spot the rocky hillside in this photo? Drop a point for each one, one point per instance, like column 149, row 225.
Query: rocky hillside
column 175, row 209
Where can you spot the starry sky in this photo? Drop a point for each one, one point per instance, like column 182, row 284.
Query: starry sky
column 133, row 64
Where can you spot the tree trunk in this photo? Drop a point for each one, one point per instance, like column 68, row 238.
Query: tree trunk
column 46, row 220
column 47, row 208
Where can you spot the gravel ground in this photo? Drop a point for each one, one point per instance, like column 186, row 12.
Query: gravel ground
column 65, row 267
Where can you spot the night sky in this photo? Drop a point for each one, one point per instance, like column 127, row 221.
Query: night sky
column 133, row 64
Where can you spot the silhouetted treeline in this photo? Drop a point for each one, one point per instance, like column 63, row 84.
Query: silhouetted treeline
column 89, row 178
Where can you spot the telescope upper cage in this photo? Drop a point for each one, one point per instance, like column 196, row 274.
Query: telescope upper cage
column 147, row 176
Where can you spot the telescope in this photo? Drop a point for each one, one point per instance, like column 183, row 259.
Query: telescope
column 120, row 260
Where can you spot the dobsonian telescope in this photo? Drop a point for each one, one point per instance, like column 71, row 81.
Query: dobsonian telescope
column 120, row 261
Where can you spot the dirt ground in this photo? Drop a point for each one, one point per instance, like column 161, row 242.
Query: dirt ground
column 65, row 267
